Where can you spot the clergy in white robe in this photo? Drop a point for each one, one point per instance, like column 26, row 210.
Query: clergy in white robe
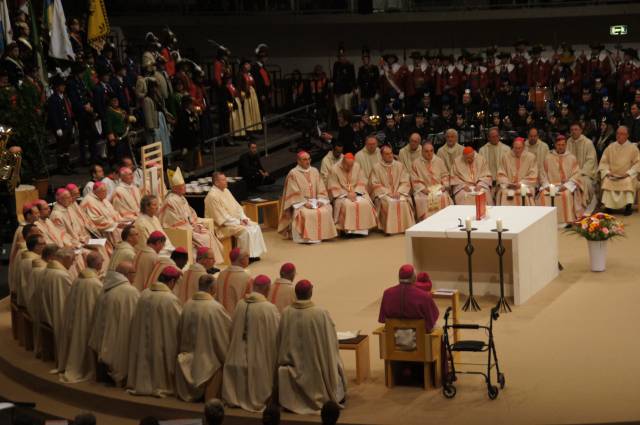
column 24, row 286
column 176, row 213
column 330, row 159
column 146, row 259
column 353, row 211
column 391, row 191
column 282, row 293
column 584, row 151
column 430, row 183
column 147, row 223
column 411, row 152
column 31, row 215
column 470, row 176
column 234, row 282
column 77, row 363
column 560, row 179
column 67, row 219
column 204, row 340
column 368, row 156
column 451, row 150
column 517, row 176
column 154, row 338
column 248, row 379
column 619, row 167
column 310, row 371
column 178, row 259
column 126, row 196
column 126, row 248
column 537, row 147
column 111, row 328
column 102, row 214
column 34, row 306
column 493, row 152
column 230, row 220
column 56, row 284
column 306, row 215
column 188, row 285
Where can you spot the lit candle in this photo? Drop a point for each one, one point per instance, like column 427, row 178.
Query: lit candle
column 499, row 225
column 467, row 223
column 552, row 190
column 523, row 189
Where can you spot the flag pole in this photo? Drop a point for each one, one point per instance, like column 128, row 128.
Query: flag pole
column 38, row 44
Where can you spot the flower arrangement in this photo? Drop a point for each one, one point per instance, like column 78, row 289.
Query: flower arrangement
column 598, row 227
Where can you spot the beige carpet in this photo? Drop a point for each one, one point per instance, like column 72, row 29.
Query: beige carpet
column 569, row 354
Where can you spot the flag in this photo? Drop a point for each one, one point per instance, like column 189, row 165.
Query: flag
column 56, row 24
column 98, row 25
column 6, row 34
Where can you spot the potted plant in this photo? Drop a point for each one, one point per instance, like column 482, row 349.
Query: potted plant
column 597, row 229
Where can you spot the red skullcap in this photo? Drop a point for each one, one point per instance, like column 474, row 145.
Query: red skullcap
column 423, row 281
column 287, row 268
column 40, row 203
column 171, row 272
column 518, row 139
column 60, row 191
column 406, row 271
column 71, row 186
column 302, row 153
column 27, row 207
column 467, row 150
column 303, row 287
column 560, row 137
column 349, row 155
column 234, row 254
column 97, row 185
column 156, row 234
column 261, row 280
column 181, row 250
column 202, row 251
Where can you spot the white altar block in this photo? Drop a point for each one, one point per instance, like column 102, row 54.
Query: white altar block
column 437, row 245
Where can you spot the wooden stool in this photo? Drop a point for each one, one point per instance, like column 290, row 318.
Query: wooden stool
column 360, row 345
column 270, row 212
column 47, row 343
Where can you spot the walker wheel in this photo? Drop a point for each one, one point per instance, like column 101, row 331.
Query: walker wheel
column 493, row 392
column 449, row 391
column 501, row 380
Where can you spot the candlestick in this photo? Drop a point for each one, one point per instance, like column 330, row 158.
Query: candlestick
column 471, row 303
column 552, row 190
column 499, row 225
column 523, row 190
column 500, row 250
column 467, row 223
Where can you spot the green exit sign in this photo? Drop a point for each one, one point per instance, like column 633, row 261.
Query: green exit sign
column 618, row 30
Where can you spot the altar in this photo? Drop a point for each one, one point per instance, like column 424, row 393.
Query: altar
column 437, row 245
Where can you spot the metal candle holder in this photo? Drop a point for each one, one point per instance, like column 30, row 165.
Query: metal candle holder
column 471, row 303
column 553, row 204
column 504, row 305
column 524, row 197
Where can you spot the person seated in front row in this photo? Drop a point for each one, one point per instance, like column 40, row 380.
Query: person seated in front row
column 408, row 301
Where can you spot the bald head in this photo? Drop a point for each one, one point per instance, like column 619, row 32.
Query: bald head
column 95, row 260
column 242, row 259
column 49, row 252
column 66, row 256
column 414, row 141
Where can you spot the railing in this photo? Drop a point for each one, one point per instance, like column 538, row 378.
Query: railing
column 284, row 7
column 265, row 124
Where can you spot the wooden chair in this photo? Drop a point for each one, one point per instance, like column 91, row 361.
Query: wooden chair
column 22, row 197
column 47, row 343
column 152, row 164
column 427, row 350
column 183, row 238
column 26, row 323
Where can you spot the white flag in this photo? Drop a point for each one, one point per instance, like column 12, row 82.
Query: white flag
column 60, row 45
column 6, row 35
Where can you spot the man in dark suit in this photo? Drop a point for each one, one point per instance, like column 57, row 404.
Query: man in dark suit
column 101, row 93
column 251, row 170
column 12, row 64
column 60, row 122
column 80, row 97
column 261, row 77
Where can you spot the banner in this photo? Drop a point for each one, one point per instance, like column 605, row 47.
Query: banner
column 98, row 25
column 55, row 21
column 6, row 34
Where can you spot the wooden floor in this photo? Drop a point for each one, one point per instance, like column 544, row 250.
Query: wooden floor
column 569, row 354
